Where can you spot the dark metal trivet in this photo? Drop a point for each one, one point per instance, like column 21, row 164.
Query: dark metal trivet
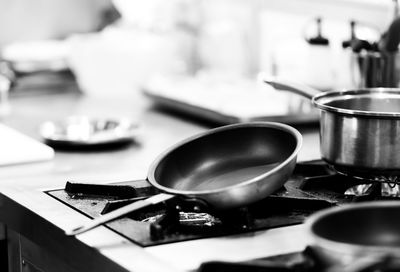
column 168, row 226
column 324, row 182
column 313, row 186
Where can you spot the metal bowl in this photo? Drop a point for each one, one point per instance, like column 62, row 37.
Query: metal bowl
column 86, row 131
column 356, row 232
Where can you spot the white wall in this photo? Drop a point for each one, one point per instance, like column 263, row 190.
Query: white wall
column 284, row 25
column 376, row 13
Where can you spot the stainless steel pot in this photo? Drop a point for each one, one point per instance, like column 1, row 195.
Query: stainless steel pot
column 353, row 236
column 359, row 129
column 226, row 167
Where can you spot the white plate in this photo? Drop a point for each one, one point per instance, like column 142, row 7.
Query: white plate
column 86, row 131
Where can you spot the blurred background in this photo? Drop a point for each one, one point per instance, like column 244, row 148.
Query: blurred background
column 95, row 90
column 168, row 48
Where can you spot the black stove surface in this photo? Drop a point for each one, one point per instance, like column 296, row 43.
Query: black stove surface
column 312, row 187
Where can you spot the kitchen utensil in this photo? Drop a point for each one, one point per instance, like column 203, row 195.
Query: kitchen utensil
column 375, row 69
column 81, row 131
column 377, row 66
column 359, row 129
column 354, row 42
column 225, row 167
column 319, row 39
column 391, row 38
column 356, row 233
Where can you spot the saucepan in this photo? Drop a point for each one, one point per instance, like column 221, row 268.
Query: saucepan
column 359, row 129
column 355, row 236
column 225, row 167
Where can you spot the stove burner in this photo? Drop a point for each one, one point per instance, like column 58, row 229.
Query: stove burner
column 371, row 178
column 336, row 184
column 313, row 186
column 382, row 189
column 195, row 217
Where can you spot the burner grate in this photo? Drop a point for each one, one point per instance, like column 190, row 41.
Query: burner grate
column 313, row 186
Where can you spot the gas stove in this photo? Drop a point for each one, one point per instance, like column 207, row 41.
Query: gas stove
column 313, row 186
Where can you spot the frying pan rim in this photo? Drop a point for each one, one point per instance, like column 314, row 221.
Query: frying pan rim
column 341, row 95
column 343, row 247
column 276, row 125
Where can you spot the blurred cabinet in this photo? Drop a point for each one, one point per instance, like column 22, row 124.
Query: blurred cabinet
column 26, row 256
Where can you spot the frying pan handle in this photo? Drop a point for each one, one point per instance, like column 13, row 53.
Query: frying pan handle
column 287, row 85
column 119, row 213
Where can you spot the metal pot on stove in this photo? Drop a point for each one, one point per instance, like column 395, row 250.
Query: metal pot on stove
column 359, row 129
column 357, row 237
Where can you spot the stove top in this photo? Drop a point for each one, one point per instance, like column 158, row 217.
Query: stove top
column 312, row 187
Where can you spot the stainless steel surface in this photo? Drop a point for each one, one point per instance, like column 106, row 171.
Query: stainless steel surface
column 347, row 234
column 375, row 69
column 226, row 167
column 359, row 129
column 360, row 144
column 373, row 102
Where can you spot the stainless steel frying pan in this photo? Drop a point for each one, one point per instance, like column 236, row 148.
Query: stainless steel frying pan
column 226, row 167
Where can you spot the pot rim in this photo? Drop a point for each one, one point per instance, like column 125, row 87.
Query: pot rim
column 321, row 101
column 343, row 247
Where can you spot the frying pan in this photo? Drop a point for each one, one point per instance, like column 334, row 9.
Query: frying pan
column 225, row 167
column 359, row 129
column 356, row 235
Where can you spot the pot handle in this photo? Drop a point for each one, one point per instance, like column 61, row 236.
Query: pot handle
column 119, row 213
column 288, row 85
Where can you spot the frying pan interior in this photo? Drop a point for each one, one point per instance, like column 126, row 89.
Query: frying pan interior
column 366, row 226
column 225, row 158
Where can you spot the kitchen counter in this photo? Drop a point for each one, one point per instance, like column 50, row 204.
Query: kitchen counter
column 35, row 222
